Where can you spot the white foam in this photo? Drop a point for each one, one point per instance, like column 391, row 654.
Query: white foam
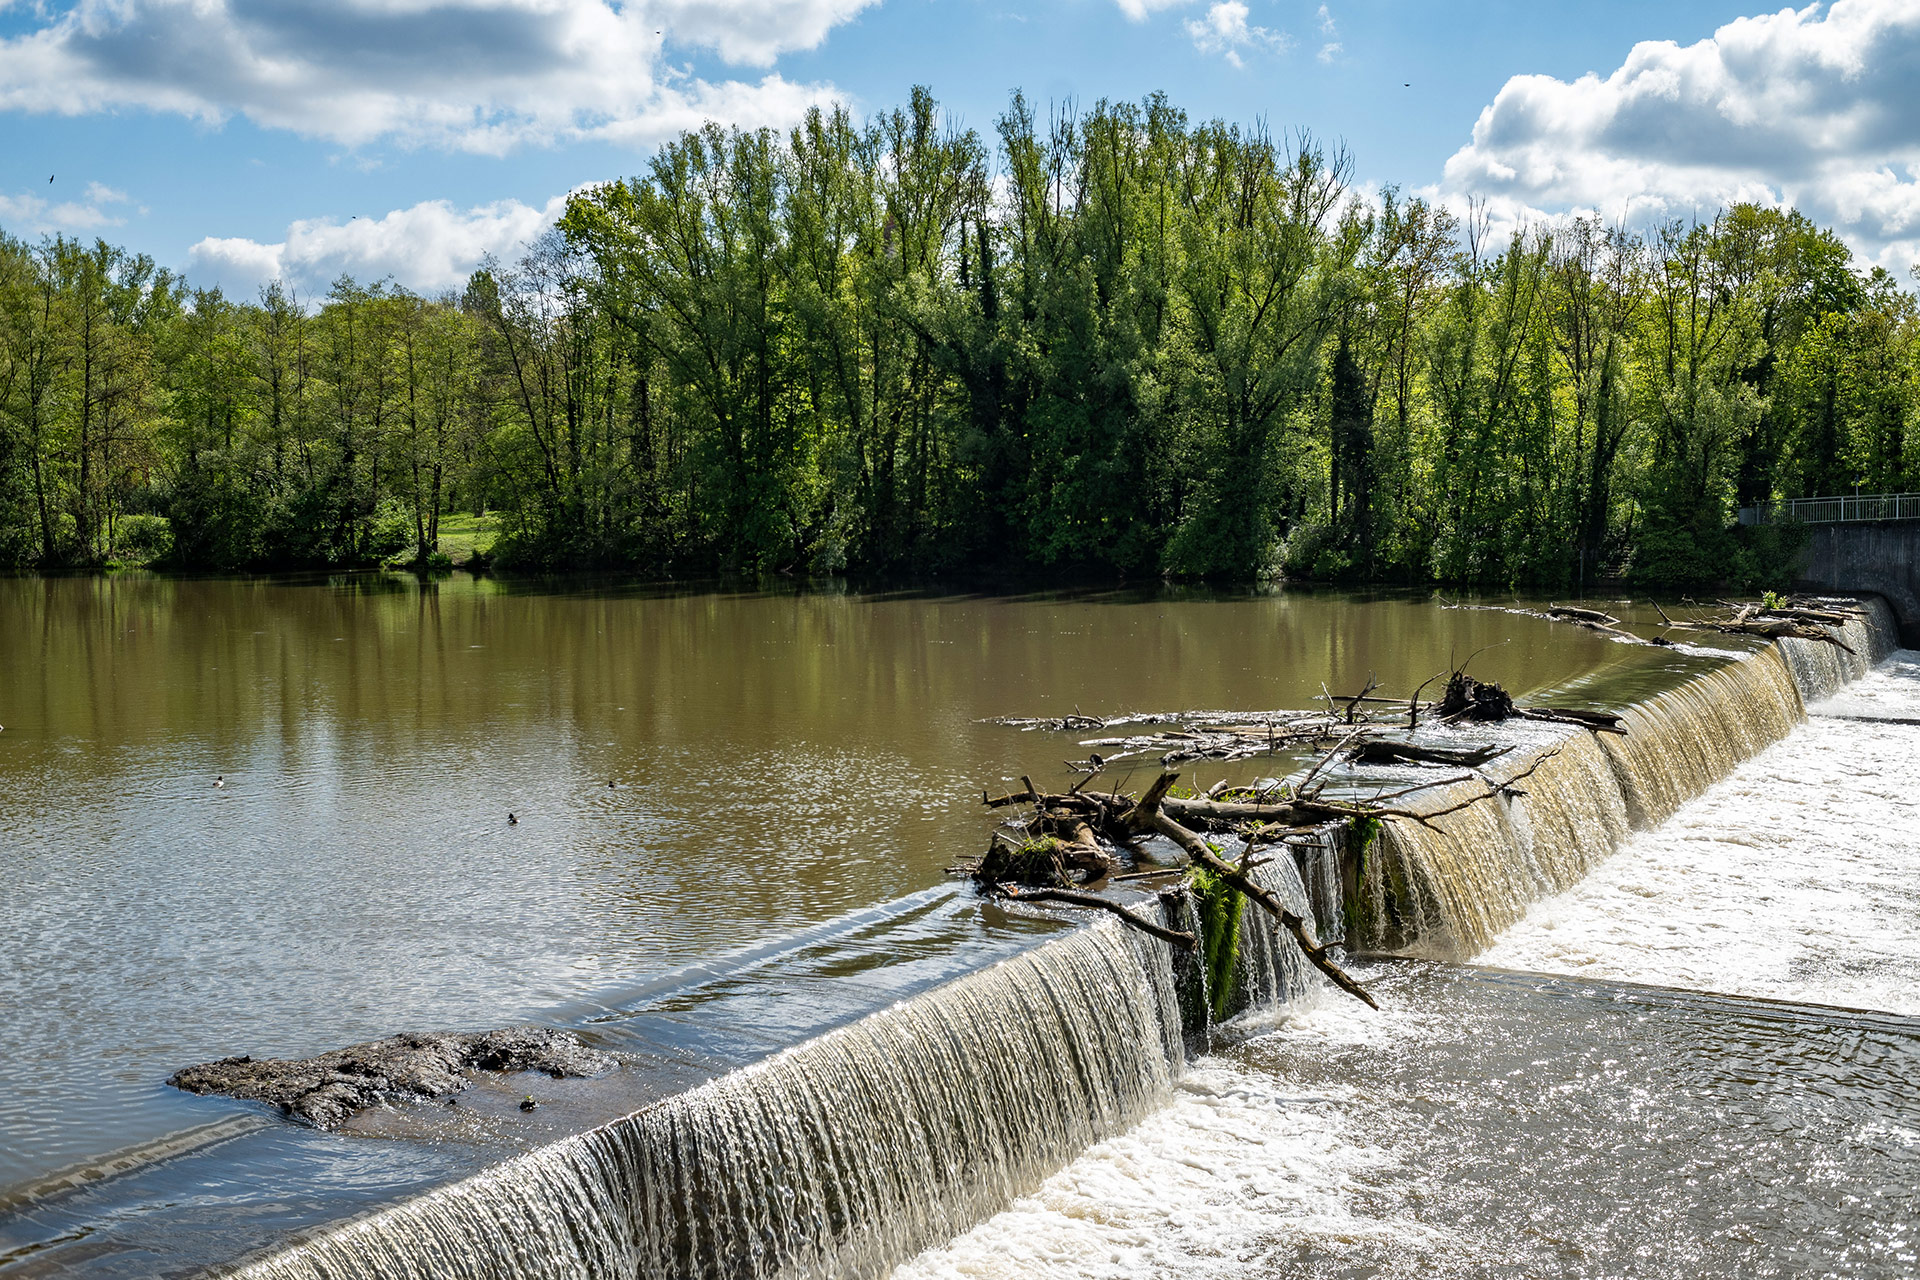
column 1797, row 877
column 1232, row 1176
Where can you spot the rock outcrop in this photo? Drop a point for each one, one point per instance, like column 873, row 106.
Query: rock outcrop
column 324, row 1091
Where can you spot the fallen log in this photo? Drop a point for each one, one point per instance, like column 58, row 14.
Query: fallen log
column 1582, row 615
column 1383, row 751
column 1824, row 616
column 1598, row 721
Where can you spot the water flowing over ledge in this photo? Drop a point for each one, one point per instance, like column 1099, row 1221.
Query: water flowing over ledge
column 856, row 1150
column 839, row 1157
column 1446, row 891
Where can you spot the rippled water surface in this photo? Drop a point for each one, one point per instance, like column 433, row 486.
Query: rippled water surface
column 776, row 761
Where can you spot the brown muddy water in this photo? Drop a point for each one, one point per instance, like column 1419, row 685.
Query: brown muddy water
column 270, row 817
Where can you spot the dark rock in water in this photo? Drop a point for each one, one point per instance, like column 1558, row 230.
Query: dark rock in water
column 326, row 1090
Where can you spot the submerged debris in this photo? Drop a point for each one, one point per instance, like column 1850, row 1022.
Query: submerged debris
column 1774, row 618
column 1478, row 700
column 325, row 1091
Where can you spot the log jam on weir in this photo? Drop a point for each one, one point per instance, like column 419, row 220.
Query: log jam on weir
column 1075, row 847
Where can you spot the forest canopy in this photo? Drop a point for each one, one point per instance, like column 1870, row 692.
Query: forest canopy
column 1114, row 343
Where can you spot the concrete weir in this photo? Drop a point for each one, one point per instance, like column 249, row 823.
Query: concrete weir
column 1446, row 891
column 854, row 1151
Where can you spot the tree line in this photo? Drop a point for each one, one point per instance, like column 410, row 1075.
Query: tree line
column 1113, row 343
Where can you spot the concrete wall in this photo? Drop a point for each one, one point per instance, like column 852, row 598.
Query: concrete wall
column 1880, row 557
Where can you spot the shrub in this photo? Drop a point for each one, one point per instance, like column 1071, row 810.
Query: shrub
column 142, row 539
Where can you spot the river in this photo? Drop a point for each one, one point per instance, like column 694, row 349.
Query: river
column 270, row 817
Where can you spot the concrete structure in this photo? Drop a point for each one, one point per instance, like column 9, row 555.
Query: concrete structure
column 1881, row 556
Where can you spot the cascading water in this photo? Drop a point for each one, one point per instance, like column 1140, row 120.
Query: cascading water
column 1448, row 889
column 1318, row 863
column 840, row 1157
column 1270, row 969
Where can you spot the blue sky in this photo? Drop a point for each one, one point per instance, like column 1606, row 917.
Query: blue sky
column 241, row 139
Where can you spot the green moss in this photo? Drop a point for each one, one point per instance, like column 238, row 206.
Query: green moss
column 1361, row 833
column 1220, row 908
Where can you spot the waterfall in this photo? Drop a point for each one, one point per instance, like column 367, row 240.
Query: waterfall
column 1819, row 670
column 839, row 1157
column 1449, row 889
column 1318, row 863
column 1270, row 970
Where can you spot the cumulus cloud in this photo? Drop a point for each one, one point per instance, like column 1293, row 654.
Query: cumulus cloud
column 31, row 213
column 1225, row 30
column 1814, row 108
column 479, row 75
column 429, row 247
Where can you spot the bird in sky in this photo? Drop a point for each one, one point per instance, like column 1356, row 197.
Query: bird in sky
column 49, row 179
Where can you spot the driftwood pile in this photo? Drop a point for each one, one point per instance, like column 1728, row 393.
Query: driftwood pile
column 1360, row 725
column 1063, row 824
column 1792, row 619
column 1067, row 846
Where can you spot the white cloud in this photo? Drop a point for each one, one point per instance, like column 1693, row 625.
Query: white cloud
column 479, row 75
column 1819, row 109
column 428, row 247
column 1137, row 10
column 32, row 213
column 1331, row 30
column 1225, row 30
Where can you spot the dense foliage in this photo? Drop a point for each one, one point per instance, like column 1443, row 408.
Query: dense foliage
column 1116, row 343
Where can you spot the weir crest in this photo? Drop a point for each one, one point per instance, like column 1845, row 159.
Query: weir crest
column 1447, row 890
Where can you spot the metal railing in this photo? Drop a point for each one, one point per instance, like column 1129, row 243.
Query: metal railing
column 1853, row 506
